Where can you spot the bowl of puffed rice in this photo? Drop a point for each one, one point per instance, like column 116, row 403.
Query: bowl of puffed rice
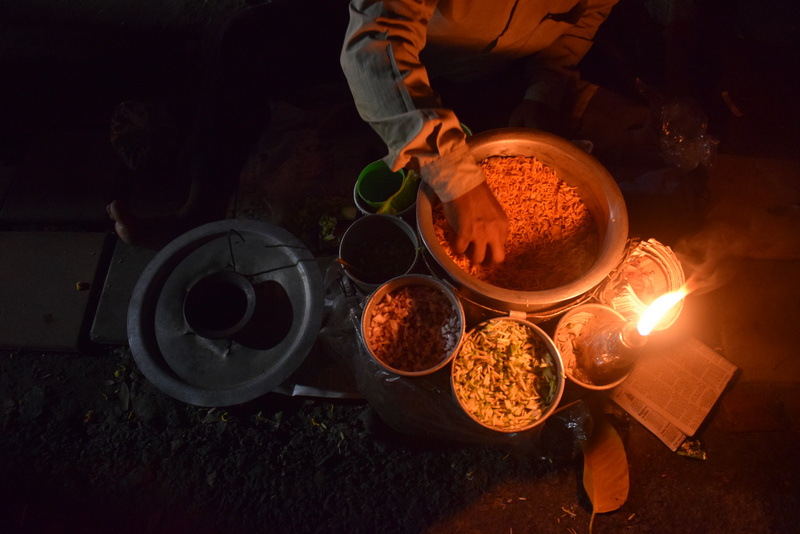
column 567, row 225
column 412, row 325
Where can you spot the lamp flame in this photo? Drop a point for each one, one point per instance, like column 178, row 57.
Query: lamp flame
column 658, row 309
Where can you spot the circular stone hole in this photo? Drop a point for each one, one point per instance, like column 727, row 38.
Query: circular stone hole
column 219, row 304
column 272, row 319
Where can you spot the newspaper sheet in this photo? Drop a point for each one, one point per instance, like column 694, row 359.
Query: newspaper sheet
column 672, row 389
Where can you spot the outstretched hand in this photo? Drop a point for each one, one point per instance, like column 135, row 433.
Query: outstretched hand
column 479, row 223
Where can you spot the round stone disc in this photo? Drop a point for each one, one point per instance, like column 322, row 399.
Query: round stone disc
column 252, row 362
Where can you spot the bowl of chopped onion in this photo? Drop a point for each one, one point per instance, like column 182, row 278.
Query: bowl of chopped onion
column 568, row 224
column 412, row 325
column 507, row 375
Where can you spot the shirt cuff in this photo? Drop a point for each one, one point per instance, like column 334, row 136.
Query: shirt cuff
column 454, row 174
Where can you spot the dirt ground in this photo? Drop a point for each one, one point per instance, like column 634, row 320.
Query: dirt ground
column 92, row 447
column 89, row 446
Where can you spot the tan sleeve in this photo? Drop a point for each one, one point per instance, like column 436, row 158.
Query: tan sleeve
column 392, row 92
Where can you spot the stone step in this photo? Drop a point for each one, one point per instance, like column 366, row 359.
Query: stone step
column 125, row 268
column 49, row 285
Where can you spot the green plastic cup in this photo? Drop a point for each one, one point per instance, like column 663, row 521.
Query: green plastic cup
column 377, row 183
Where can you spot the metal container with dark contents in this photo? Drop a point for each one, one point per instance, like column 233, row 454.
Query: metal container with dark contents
column 377, row 248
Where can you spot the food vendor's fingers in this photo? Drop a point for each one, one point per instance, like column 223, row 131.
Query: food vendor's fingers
column 460, row 243
column 477, row 252
column 497, row 252
column 478, row 223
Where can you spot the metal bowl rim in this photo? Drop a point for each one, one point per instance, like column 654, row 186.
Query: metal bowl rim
column 612, row 249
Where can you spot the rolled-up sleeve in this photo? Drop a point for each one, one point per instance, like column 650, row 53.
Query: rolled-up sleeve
column 391, row 90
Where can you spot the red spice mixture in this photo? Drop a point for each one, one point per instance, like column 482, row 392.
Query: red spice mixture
column 413, row 328
column 552, row 237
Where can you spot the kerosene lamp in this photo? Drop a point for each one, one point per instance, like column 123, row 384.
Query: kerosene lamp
column 608, row 346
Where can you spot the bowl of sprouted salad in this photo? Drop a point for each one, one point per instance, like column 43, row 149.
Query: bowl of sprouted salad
column 507, row 375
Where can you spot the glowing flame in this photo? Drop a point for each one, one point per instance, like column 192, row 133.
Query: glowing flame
column 658, row 309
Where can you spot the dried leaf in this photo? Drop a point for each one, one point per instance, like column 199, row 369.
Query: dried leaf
column 605, row 468
column 211, row 416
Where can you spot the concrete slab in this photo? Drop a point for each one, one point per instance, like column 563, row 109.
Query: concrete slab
column 46, row 288
column 126, row 266
column 750, row 319
column 757, row 407
column 759, row 313
column 67, row 177
column 755, row 210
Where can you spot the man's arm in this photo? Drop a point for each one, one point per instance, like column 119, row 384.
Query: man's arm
column 390, row 86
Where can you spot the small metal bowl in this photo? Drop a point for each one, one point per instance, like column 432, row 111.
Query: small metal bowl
column 568, row 329
column 452, row 327
column 377, row 248
column 529, row 420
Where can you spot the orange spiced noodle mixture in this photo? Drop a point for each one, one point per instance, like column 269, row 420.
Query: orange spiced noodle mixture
column 552, row 237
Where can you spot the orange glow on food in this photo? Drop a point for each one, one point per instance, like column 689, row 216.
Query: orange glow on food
column 658, row 309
